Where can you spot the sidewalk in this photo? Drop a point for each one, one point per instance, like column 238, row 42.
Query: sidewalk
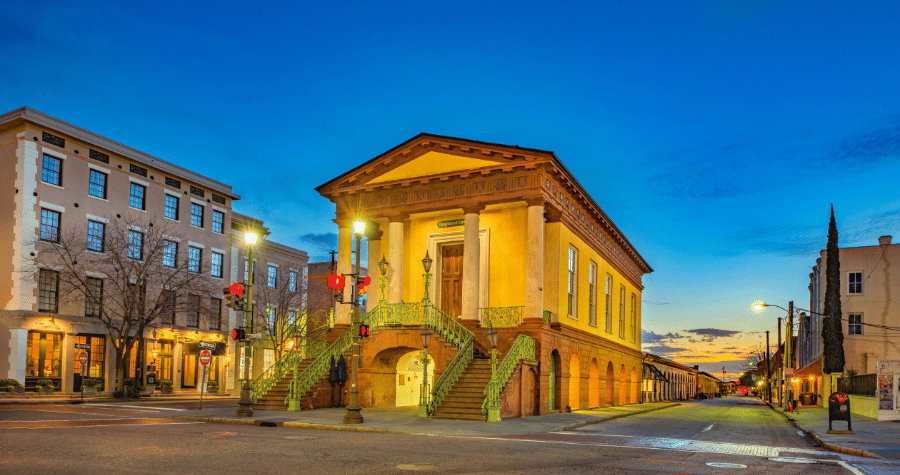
column 870, row 438
column 62, row 398
column 404, row 420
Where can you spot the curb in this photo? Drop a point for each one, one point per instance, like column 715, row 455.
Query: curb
column 292, row 425
column 77, row 400
column 825, row 445
column 612, row 417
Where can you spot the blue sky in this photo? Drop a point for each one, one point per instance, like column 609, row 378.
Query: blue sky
column 715, row 134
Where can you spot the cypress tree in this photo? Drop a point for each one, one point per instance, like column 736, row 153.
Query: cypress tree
column 832, row 330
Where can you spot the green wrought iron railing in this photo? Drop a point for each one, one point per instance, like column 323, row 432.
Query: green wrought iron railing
column 523, row 348
column 270, row 377
column 320, row 365
column 451, row 374
column 501, row 317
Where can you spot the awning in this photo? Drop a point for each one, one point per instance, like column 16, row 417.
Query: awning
column 217, row 348
column 650, row 372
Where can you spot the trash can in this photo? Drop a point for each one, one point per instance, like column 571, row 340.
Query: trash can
column 806, row 399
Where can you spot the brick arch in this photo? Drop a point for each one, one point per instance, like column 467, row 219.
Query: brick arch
column 610, row 384
column 623, row 385
column 574, row 380
column 594, row 384
column 635, row 386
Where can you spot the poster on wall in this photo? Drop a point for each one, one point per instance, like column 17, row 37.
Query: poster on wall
column 888, row 374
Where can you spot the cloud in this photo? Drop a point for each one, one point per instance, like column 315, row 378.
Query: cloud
column 663, row 350
column 319, row 245
column 323, row 239
column 713, row 332
column 651, row 337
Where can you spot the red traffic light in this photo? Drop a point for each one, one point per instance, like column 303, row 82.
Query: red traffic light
column 336, row 282
column 237, row 289
column 366, row 281
column 364, row 331
column 238, row 334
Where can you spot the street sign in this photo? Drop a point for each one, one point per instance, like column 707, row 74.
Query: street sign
column 82, row 346
column 83, row 358
column 206, row 344
column 205, row 357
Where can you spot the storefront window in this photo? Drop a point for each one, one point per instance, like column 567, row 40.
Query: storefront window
column 165, row 350
column 96, row 367
column 44, row 355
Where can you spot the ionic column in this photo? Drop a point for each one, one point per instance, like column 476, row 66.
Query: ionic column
column 395, row 258
column 345, row 244
column 534, row 260
column 471, row 263
column 374, row 249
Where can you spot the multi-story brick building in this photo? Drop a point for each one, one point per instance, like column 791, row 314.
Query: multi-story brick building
column 60, row 176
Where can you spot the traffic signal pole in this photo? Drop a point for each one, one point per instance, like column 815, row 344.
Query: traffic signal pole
column 353, row 415
column 245, row 404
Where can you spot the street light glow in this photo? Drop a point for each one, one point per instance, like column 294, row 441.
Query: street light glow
column 758, row 306
column 250, row 238
column 359, row 227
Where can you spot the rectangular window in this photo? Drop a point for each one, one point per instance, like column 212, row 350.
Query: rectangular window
column 170, row 251
column 573, row 283
column 52, row 170
column 168, row 307
column 855, row 283
column 49, row 225
column 609, row 303
column 592, row 291
column 634, row 324
column 172, row 207
column 193, row 314
column 216, row 266
column 292, row 281
column 622, row 311
column 136, row 198
column 96, row 234
column 272, row 277
column 197, row 215
column 196, row 191
column 93, row 301
column 137, row 170
column 292, row 318
column 48, row 291
column 44, row 355
column 854, row 326
column 218, row 222
column 136, row 245
column 97, row 185
column 134, row 300
column 215, row 313
column 270, row 319
column 194, row 254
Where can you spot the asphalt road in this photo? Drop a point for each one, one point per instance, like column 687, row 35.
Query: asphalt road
column 145, row 438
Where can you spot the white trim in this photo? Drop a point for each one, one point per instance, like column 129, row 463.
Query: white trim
column 291, row 269
column 213, row 249
column 139, row 182
column 98, row 168
column 171, row 238
column 137, row 228
column 51, row 206
column 97, row 218
column 221, row 210
column 196, row 244
column 53, row 153
column 51, row 184
column 199, row 202
column 435, row 240
column 98, row 275
column 172, row 193
column 99, row 198
column 272, row 264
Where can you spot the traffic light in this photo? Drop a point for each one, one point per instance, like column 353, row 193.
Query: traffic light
column 238, row 334
column 336, row 283
column 363, row 331
column 235, row 296
column 361, row 293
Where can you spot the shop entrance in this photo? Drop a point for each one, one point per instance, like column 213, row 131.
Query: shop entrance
column 189, row 371
column 451, row 279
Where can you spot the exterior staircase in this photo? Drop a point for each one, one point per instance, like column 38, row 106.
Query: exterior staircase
column 466, row 396
column 274, row 398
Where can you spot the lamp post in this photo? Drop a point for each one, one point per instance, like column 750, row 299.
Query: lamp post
column 768, row 371
column 245, row 404
column 383, row 268
column 426, row 263
column 786, row 353
column 494, row 406
column 353, row 415
column 294, row 402
column 423, row 389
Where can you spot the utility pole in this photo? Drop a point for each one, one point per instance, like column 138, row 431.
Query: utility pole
column 786, row 355
column 768, row 371
column 778, row 382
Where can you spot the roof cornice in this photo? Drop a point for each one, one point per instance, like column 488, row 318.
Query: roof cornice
column 26, row 114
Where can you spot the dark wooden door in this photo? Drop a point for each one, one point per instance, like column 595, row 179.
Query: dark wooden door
column 451, row 279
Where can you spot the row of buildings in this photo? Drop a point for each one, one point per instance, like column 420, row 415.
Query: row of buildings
column 463, row 238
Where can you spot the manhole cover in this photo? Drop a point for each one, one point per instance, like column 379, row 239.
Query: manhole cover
column 300, row 437
column 791, row 460
column 422, row 467
column 725, row 465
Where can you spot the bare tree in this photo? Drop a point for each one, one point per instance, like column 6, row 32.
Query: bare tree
column 278, row 313
column 130, row 275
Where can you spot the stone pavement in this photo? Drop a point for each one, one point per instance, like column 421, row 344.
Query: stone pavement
column 404, row 420
column 870, row 438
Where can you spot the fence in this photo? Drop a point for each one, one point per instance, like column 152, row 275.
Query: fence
column 862, row 384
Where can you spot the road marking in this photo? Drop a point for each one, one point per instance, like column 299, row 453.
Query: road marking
column 725, row 465
column 138, row 407
column 704, row 430
column 851, row 468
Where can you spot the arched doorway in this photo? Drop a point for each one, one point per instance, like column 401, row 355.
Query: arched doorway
column 553, row 382
column 623, row 385
column 409, row 378
column 610, row 384
column 574, row 389
column 594, row 384
column 635, row 386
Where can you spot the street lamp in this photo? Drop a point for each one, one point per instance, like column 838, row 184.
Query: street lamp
column 426, row 263
column 353, row 415
column 494, row 408
column 383, row 268
column 786, row 353
column 245, row 404
column 423, row 389
column 294, row 397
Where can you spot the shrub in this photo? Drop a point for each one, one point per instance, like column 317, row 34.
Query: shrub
column 212, row 384
column 44, row 383
column 10, row 383
column 90, row 383
column 164, row 384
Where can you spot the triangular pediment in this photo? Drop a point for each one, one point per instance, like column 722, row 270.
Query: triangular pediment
column 432, row 163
